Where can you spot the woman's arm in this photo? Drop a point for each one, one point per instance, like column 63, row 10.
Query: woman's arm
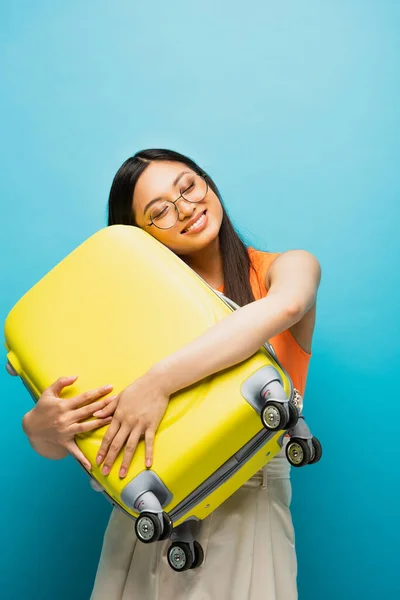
column 293, row 281
column 54, row 421
column 42, row 447
column 139, row 409
column 303, row 330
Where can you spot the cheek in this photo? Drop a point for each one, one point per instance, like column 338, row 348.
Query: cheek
column 169, row 237
column 216, row 210
column 163, row 236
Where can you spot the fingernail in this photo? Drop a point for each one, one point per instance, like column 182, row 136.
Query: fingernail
column 99, row 459
column 122, row 472
column 108, row 419
column 148, row 462
column 108, row 387
column 106, row 470
column 98, row 413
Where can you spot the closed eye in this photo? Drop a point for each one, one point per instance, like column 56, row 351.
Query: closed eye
column 161, row 213
column 188, row 189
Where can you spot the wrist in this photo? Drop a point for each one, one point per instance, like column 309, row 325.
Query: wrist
column 161, row 374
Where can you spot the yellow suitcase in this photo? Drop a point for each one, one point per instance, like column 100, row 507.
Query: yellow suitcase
column 112, row 308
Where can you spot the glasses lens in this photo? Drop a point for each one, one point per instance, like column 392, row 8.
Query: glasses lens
column 164, row 214
column 193, row 187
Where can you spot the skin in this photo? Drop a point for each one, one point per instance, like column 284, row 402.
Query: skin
column 292, row 283
column 200, row 251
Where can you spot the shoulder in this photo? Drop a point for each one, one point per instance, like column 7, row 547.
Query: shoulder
column 262, row 258
column 282, row 267
column 260, row 263
column 292, row 262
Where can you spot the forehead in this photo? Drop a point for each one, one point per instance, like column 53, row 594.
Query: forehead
column 157, row 180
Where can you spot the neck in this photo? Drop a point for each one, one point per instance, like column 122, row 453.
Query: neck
column 207, row 263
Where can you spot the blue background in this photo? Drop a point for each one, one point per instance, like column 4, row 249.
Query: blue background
column 293, row 109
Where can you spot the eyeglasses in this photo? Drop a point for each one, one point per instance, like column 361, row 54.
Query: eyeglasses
column 193, row 189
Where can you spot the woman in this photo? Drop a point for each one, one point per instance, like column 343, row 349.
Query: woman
column 248, row 541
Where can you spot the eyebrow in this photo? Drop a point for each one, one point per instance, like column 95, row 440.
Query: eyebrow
column 175, row 182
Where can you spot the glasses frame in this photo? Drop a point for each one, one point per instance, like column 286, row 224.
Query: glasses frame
column 181, row 196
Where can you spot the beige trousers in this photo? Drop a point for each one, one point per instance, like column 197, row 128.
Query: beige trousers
column 248, row 544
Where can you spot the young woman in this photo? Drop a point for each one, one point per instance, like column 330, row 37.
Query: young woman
column 248, row 541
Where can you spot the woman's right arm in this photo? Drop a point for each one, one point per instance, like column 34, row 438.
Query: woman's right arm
column 52, row 424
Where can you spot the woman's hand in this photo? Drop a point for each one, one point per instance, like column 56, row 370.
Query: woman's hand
column 56, row 420
column 139, row 410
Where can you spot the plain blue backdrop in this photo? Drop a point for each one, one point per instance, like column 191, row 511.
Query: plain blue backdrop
column 293, row 108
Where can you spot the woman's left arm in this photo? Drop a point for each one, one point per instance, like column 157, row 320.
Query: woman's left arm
column 292, row 281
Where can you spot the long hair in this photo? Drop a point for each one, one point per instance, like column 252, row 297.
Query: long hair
column 235, row 259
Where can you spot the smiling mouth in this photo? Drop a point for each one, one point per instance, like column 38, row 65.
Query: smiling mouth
column 197, row 224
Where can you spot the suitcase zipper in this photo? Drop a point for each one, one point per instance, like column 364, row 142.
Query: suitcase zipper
column 229, row 468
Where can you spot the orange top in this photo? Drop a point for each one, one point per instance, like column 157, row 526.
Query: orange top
column 294, row 359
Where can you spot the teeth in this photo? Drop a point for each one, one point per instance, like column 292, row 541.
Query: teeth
column 198, row 222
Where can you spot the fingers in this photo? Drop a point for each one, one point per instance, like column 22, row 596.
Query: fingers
column 109, row 408
column 130, row 448
column 94, row 409
column 113, row 442
column 107, row 439
column 57, row 387
column 86, row 397
column 89, row 425
column 114, row 448
column 149, row 446
column 76, row 452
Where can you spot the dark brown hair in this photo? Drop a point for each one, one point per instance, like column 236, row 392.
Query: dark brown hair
column 235, row 259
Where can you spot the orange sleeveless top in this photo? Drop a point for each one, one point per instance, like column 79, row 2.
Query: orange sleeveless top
column 293, row 358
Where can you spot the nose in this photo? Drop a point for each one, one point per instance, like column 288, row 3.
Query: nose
column 185, row 209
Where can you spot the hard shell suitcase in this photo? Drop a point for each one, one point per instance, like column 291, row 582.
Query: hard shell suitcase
column 116, row 305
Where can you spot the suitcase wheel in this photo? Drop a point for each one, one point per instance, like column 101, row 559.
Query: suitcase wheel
column 298, row 452
column 10, row 369
column 317, row 451
column 180, row 556
column 95, row 485
column 273, row 416
column 168, row 527
column 293, row 416
column 198, row 555
column 148, row 527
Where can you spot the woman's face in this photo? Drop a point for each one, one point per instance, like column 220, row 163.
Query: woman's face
column 199, row 215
